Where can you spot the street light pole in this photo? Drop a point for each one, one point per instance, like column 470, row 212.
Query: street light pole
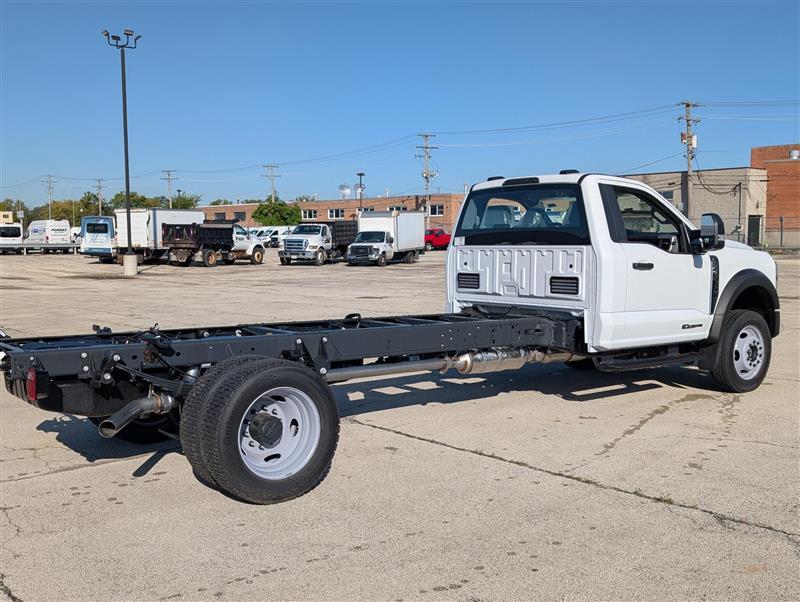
column 131, row 40
column 360, row 175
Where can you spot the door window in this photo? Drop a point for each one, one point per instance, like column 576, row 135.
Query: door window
column 641, row 219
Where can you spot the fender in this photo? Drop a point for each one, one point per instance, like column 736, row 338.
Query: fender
column 736, row 285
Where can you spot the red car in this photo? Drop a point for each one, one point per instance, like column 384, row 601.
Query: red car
column 436, row 239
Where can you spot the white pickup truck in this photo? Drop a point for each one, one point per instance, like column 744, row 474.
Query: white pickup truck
column 596, row 271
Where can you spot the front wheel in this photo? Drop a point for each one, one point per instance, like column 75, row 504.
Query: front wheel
column 319, row 258
column 429, row 246
column 381, row 260
column 270, row 429
column 258, row 256
column 285, row 261
column 743, row 353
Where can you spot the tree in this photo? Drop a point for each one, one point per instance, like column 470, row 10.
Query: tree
column 220, row 202
column 303, row 198
column 137, row 200
column 276, row 213
column 186, row 201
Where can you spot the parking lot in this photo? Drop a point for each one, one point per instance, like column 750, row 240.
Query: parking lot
column 542, row 483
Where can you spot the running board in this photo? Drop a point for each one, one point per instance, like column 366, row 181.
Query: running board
column 614, row 364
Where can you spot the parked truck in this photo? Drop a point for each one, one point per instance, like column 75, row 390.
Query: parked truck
column 99, row 237
column 211, row 242
column 317, row 242
column 146, row 229
column 617, row 279
column 385, row 236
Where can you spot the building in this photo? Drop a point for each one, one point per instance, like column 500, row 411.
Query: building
column 737, row 194
column 782, row 165
column 442, row 210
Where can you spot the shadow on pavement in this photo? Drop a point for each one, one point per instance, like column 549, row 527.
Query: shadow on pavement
column 574, row 386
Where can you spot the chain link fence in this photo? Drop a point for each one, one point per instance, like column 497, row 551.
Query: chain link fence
column 781, row 232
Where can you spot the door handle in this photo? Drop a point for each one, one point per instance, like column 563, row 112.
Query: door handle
column 642, row 266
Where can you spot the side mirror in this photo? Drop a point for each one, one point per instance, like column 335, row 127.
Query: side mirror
column 711, row 235
column 391, row 240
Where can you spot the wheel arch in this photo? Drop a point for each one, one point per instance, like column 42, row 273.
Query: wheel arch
column 748, row 289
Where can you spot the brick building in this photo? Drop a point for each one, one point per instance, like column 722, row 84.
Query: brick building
column 442, row 210
column 782, row 166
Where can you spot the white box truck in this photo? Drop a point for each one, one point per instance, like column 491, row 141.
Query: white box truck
column 388, row 236
column 146, row 231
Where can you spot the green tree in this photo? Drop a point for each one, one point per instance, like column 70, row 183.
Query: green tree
column 303, row 198
column 276, row 213
column 16, row 205
column 186, row 201
column 137, row 200
column 220, row 202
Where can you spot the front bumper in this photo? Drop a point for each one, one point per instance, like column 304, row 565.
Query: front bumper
column 301, row 255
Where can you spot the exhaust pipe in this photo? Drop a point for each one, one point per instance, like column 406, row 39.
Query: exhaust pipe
column 160, row 403
column 480, row 362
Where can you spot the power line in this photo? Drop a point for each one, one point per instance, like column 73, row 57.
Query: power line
column 651, row 163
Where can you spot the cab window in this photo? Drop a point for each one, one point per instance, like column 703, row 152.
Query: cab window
column 641, row 219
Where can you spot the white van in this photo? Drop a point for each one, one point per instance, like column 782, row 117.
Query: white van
column 10, row 238
column 50, row 233
column 99, row 237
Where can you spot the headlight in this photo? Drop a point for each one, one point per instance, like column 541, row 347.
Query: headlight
column 312, row 247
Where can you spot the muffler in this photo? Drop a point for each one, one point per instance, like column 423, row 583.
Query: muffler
column 158, row 403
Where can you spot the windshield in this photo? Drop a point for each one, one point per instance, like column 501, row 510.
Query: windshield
column 370, row 236
column 10, row 231
column 516, row 215
column 306, row 229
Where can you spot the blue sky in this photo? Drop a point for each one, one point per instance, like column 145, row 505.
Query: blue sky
column 230, row 85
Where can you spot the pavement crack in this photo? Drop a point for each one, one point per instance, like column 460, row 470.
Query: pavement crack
column 666, row 500
column 4, row 589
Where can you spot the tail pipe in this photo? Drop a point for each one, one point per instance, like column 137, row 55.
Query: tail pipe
column 479, row 362
column 159, row 403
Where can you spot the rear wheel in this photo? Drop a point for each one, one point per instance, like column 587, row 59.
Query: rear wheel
column 209, row 258
column 743, row 353
column 258, row 256
column 269, row 431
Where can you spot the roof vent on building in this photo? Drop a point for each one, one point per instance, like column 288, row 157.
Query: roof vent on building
column 794, row 154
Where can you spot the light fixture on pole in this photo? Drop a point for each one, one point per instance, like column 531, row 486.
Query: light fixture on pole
column 360, row 175
column 129, row 260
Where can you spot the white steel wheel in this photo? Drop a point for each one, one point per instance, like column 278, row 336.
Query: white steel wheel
column 279, row 433
column 748, row 352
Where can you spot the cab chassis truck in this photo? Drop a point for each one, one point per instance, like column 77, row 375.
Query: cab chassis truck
column 596, row 271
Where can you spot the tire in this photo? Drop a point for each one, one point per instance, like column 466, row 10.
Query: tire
column 229, row 260
column 319, row 258
column 193, row 411
column 586, row 363
column 381, row 261
column 743, row 353
column 293, row 443
column 286, row 261
column 257, row 258
column 143, row 431
column 429, row 246
column 209, row 258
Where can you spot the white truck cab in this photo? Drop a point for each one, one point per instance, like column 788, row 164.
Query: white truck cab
column 384, row 236
column 613, row 253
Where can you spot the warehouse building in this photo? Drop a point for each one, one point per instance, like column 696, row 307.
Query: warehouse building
column 441, row 211
column 737, row 194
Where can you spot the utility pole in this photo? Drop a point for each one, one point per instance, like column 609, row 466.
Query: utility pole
column 49, row 181
column 690, row 140
column 428, row 174
column 271, row 175
column 361, row 175
column 99, row 188
column 169, row 178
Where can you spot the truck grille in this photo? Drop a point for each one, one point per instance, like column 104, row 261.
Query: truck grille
column 294, row 246
column 359, row 251
column 560, row 285
column 467, row 280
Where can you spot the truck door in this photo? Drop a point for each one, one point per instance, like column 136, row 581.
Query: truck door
column 668, row 289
